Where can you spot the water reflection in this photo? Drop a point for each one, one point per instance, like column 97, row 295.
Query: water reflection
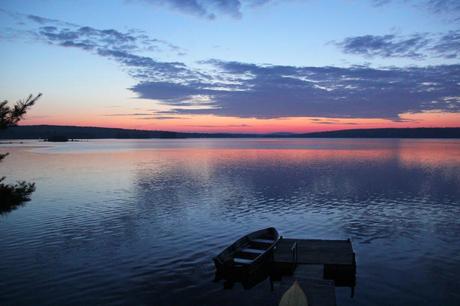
column 137, row 222
column 274, row 274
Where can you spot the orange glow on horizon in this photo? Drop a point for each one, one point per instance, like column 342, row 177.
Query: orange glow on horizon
column 211, row 123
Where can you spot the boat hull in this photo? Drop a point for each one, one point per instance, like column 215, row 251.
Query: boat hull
column 248, row 253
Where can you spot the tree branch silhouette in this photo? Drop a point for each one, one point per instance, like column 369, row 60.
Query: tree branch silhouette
column 14, row 195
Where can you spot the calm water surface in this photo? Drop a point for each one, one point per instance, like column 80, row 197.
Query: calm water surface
column 137, row 222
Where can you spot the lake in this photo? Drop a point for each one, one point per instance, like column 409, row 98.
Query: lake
column 137, row 222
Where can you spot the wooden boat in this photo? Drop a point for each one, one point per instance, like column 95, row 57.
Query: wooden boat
column 249, row 252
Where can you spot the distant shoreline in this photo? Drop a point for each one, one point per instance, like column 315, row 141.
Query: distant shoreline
column 77, row 132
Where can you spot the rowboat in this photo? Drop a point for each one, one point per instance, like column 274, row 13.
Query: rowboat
column 249, row 252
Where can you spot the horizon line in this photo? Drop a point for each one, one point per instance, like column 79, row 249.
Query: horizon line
column 236, row 133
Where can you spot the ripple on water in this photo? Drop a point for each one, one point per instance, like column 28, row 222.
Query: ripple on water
column 140, row 226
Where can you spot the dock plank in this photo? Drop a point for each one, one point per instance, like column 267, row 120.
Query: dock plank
column 314, row 251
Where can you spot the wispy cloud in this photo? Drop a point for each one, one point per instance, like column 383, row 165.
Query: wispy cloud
column 385, row 45
column 124, row 47
column 219, row 126
column 167, row 118
column 147, row 116
column 448, row 45
column 211, row 9
column 127, row 115
column 208, row 8
column 434, row 6
column 89, row 38
column 415, row 46
column 56, row 32
column 441, row 6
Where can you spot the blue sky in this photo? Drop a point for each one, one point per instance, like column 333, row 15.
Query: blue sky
column 175, row 63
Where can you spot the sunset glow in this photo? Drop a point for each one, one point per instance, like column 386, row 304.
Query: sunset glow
column 252, row 125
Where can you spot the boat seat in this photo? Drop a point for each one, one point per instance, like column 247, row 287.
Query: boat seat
column 268, row 241
column 252, row 251
column 242, row 261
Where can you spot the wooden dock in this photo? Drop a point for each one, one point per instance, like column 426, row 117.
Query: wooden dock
column 313, row 251
column 318, row 265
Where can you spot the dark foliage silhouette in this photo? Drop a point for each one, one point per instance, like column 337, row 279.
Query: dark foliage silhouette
column 14, row 195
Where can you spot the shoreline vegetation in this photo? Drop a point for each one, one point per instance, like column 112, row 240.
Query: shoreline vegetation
column 64, row 133
column 14, row 195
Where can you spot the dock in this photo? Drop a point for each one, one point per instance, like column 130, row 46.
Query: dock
column 336, row 256
column 314, row 251
column 318, row 265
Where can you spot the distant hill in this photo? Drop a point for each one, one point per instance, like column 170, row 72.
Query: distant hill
column 76, row 132
column 388, row 133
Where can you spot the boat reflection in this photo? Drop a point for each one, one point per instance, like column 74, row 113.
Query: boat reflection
column 230, row 277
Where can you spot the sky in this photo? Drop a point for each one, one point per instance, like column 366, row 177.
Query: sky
column 243, row 66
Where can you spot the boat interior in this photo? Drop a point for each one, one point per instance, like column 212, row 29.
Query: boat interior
column 252, row 248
